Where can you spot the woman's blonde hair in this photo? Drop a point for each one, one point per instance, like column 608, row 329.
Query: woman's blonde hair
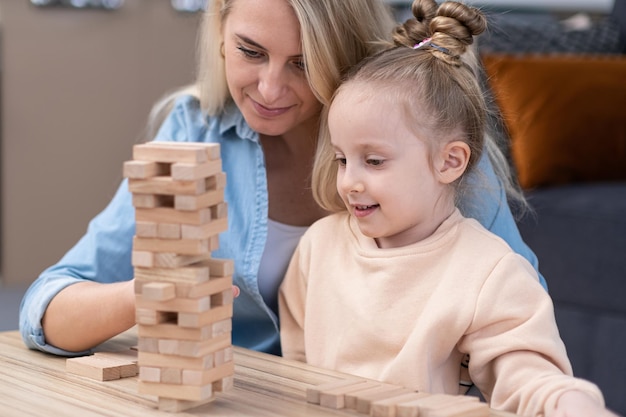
column 440, row 75
column 336, row 35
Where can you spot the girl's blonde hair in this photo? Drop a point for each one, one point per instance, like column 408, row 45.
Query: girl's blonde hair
column 433, row 66
column 335, row 34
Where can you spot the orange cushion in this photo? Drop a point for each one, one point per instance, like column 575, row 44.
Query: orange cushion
column 566, row 116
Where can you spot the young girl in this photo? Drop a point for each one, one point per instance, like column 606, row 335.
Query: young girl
column 398, row 286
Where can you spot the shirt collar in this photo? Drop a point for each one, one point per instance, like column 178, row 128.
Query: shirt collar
column 231, row 118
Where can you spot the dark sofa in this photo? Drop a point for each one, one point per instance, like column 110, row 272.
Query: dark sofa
column 571, row 159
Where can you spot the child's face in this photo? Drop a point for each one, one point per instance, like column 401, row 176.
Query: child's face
column 384, row 175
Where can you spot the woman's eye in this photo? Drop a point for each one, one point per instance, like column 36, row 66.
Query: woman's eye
column 249, row 52
column 300, row 64
column 375, row 162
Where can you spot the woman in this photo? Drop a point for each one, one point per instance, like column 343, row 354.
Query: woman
column 266, row 68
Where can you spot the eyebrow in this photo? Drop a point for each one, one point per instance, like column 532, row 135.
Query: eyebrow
column 246, row 39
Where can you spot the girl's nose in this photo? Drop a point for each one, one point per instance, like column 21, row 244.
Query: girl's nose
column 350, row 181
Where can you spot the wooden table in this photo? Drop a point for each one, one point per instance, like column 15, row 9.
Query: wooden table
column 36, row 384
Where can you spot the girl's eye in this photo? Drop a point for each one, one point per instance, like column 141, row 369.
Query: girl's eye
column 375, row 162
column 341, row 161
column 249, row 52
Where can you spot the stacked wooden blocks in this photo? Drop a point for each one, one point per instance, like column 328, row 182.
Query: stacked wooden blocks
column 388, row 400
column 184, row 298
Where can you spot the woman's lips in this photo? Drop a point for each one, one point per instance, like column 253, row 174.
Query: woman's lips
column 269, row 112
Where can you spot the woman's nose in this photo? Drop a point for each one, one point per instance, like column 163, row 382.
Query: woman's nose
column 272, row 83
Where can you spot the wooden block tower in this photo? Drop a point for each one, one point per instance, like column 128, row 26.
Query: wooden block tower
column 184, row 298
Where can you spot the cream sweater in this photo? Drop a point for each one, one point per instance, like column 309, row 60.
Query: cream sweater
column 409, row 315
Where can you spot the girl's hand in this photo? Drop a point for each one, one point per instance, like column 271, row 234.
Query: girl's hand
column 580, row 404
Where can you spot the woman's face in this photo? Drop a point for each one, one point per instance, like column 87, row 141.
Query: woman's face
column 265, row 68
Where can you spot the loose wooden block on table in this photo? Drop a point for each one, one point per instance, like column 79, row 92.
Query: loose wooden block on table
column 364, row 402
column 101, row 368
column 336, row 397
column 351, row 398
column 313, row 393
column 387, row 407
column 423, row 406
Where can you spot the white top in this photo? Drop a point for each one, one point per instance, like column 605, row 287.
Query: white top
column 282, row 240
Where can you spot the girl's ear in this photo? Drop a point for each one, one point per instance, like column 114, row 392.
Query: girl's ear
column 454, row 159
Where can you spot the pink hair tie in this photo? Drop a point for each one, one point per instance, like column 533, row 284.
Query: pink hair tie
column 428, row 42
column 422, row 43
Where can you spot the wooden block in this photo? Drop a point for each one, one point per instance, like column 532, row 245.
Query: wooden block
column 175, row 260
column 195, row 202
column 171, row 376
column 171, row 215
column 223, row 298
column 150, row 374
column 193, row 274
column 128, row 355
column 206, row 376
column 148, row 344
column 219, row 211
column 204, row 231
column 173, row 405
column 101, row 368
column 216, row 345
column 213, row 286
column 387, row 407
column 194, row 152
column 179, row 305
column 168, row 346
column 166, row 185
column 181, row 246
column 153, row 200
column 224, row 384
column 150, row 316
column 313, row 393
column 142, row 259
column 158, row 291
column 205, row 318
column 181, row 392
column 221, row 267
column 336, row 397
column 159, row 360
column 223, row 356
column 173, row 331
column 169, row 230
column 145, row 169
column 185, row 171
column 146, row 229
column 351, row 398
column 364, row 401
column 421, row 406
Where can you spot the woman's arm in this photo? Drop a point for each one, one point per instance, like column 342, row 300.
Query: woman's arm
column 88, row 313
column 80, row 296
column 485, row 200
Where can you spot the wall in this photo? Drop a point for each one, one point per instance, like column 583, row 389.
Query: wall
column 77, row 86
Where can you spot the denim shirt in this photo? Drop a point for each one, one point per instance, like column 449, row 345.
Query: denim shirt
column 103, row 254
